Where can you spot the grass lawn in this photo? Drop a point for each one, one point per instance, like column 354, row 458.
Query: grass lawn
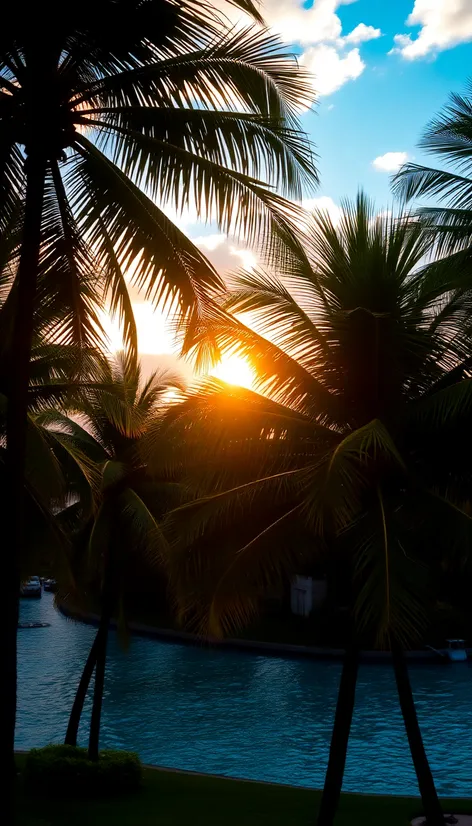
column 172, row 799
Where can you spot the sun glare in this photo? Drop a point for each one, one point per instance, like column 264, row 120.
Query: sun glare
column 235, row 370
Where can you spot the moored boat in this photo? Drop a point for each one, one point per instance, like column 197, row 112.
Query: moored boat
column 456, row 650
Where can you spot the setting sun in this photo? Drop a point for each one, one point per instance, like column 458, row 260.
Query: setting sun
column 235, row 370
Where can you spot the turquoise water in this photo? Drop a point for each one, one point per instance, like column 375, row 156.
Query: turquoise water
column 240, row 714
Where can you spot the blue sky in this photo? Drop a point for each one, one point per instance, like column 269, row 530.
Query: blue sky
column 383, row 68
column 386, row 108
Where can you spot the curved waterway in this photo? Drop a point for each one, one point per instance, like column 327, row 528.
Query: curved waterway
column 240, row 714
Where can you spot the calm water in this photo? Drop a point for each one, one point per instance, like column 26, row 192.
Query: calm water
column 243, row 715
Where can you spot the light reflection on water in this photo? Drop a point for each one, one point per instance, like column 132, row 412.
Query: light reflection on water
column 241, row 714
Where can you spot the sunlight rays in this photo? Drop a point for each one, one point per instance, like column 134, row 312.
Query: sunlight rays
column 235, row 370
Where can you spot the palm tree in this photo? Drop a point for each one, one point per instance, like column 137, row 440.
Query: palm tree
column 120, row 526
column 103, row 108
column 448, row 137
column 359, row 358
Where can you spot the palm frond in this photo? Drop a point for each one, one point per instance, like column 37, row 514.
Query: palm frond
column 333, row 496
column 241, row 70
column 69, row 293
column 156, row 146
column 162, row 260
column 43, row 470
column 277, row 374
column 414, row 180
column 274, row 307
column 446, row 406
column 390, row 599
column 143, row 527
column 450, row 133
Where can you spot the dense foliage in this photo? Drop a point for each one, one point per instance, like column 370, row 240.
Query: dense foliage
column 350, row 454
column 361, row 360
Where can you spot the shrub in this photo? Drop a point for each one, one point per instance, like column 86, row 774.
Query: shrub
column 67, row 771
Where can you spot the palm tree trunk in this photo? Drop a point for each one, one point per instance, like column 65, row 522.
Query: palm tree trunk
column 429, row 797
column 101, row 654
column 35, row 168
column 340, row 737
column 78, row 705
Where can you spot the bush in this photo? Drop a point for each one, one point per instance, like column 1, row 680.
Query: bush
column 66, row 771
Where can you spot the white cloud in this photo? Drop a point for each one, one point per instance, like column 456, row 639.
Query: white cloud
column 225, row 253
column 307, row 26
column 210, row 242
column 390, row 162
column 401, row 42
column 325, row 203
column 331, row 69
column 317, row 24
column 294, row 22
column 318, row 29
column 444, row 24
column 361, row 33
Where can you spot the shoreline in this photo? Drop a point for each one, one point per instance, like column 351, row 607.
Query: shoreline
column 153, row 767
column 273, row 649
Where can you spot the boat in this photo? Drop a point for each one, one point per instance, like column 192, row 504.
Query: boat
column 31, row 588
column 34, row 625
column 456, row 651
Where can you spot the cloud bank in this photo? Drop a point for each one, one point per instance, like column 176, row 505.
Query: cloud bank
column 444, row 24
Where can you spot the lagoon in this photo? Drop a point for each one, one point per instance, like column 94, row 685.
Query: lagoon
column 241, row 714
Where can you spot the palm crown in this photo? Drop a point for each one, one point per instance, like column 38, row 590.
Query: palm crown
column 115, row 96
column 357, row 353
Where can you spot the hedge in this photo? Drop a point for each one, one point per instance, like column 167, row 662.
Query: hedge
column 67, row 771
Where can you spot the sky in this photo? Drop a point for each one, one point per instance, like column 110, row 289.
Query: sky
column 382, row 69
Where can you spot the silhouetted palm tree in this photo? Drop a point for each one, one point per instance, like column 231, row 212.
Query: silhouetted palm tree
column 358, row 354
column 119, row 529
column 103, row 108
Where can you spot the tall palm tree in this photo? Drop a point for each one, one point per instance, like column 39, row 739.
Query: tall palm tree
column 104, row 107
column 359, row 357
column 120, row 526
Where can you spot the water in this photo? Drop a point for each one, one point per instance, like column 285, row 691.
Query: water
column 240, row 714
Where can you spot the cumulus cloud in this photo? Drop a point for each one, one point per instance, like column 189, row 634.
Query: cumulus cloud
column 361, row 33
column 210, row 242
column 318, row 24
column 331, row 69
column 319, row 30
column 296, row 23
column 326, row 204
column 444, row 24
column 225, row 253
column 390, row 162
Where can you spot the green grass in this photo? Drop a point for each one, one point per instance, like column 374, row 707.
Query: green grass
column 172, row 799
